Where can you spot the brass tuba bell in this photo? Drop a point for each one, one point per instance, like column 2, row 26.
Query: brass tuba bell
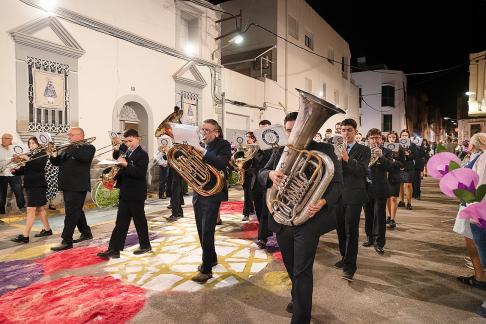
column 241, row 160
column 307, row 174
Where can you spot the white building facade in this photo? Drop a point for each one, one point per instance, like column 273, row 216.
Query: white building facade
column 383, row 97
column 317, row 61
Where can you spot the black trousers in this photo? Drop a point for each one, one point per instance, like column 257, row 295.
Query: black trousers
column 248, row 207
column 74, row 202
column 375, row 221
column 206, row 213
column 348, row 235
column 126, row 211
column 15, row 183
column 176, row 198
column 298, row 246
column 163, row 175
column 261, row 211
column 417, row 182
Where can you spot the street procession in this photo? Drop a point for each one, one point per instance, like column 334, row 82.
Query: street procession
column 193, row 161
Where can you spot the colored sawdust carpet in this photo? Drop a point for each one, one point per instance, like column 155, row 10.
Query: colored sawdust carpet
column 73, row 300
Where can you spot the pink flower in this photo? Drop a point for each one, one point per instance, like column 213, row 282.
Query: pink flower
column 476, row 213
column 461, row 178
column 438, row 165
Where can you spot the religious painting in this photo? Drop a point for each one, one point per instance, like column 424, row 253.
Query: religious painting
column 48, row 89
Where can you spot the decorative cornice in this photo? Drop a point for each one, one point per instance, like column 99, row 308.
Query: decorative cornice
column 191, row 67
column 23, row 35
column 111, row 30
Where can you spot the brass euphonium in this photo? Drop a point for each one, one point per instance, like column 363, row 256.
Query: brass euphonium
column 307, row 174
column 187, row 162
column 374, row 156
column 174, row 117
column 242, row 159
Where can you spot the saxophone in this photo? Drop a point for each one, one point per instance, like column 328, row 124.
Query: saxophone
column 307, row 174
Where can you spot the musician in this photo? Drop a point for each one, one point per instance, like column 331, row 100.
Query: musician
column 161, row 160
column 176, row 181
column 74, row 181
column 419, row 165
column 217, row 154
column 318, row 138
column 355, row 160
column 407, row 172
column 328, row 136
column 337, row 128
column 298, row 244
column 36, row 185
column 248, row 207
column 7, row 178
column 394, row 179
column 261, row 210
column 132, row 181
column 378, row 192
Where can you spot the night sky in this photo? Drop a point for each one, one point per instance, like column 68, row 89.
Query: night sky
column 413, row 36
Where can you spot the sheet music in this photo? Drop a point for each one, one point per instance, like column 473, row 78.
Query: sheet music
column 185, row 134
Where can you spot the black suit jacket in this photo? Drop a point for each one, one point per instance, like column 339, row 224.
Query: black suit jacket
column 132, row 179
column 397, row 164
column 354, row 175
column 74, row 168
column 419, row 157
column 379, row 187
column 218, row 155
column 323, row 221
column 259, row 161
column 34, row 172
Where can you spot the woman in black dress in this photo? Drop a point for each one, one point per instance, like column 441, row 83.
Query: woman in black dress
column 394, row 179
column 36, row 185
column 407, row 172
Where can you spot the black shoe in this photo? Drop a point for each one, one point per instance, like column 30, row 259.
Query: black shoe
column 109, row 254
column 379, row 249
column 347, row 276
column 169, row 206
column 392, row 224
column 481, row 311
column 401, row 204
column 367, row 243
column 62, row 246
column 180, row 216
column 84, row 237
column 199, row 267
column 20, row 239
column 388, row 220
column 409, row 206
column 220, row 222
column 23, row 210
column 202, row 277
column 172, row 218
column 290, row 307
column 43, row 232
column 261, row 244
column 142, row 250
column 245, row 218
column 339, row 264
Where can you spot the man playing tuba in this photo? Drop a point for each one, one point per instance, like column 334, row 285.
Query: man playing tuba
column 217, row 154
column 298, row 244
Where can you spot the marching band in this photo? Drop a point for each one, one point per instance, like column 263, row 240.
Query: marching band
column 310, row 187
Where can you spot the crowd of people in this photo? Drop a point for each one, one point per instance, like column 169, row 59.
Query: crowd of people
column 371, row 173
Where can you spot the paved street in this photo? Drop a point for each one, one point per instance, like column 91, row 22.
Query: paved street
column 413, row 282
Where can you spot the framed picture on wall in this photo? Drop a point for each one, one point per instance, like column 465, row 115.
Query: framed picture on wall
column 48, row 89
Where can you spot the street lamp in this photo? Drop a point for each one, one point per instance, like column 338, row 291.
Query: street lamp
column 470, row 93
column 238, row 39
column 447, row 118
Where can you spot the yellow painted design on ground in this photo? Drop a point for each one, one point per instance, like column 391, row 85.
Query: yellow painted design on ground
column 177, row 253
column 277, row 280
column 22, row 252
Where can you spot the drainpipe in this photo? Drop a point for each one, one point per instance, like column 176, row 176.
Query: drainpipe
column 223, row 114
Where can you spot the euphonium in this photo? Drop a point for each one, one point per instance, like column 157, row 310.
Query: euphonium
column 174, row 117
column 187, row 162
column 374, row 156
column 307, row 174
column 242, row 158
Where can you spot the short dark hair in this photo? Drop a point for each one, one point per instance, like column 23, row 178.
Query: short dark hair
column 264, row 122
column 252, row 136
column 405, row 131
column 328, row 130
column 176, row 108
column 373, row 131
column 131, row 133
column 33, row 138
column 349, row 122
column 290, row 117
column 215, row 125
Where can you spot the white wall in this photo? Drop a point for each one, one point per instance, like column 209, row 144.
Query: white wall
column 371, row 110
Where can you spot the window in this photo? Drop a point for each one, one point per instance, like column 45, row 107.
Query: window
column 188, row 30
column 293, row 27
column 475, row 128
column 387, row 124
column 308, row 85
column 330, row 55
column 360, row 98
column 344, row 67
column 387, row 96
column 309, row 41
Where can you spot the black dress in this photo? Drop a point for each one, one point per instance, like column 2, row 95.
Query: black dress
column 35, row 181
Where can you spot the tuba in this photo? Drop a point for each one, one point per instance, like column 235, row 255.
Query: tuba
column 242, row 159
column 165, row 124
column 203, row 178
column 307, row 174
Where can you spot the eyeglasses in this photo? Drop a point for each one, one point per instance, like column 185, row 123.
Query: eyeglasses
column 207, row 130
